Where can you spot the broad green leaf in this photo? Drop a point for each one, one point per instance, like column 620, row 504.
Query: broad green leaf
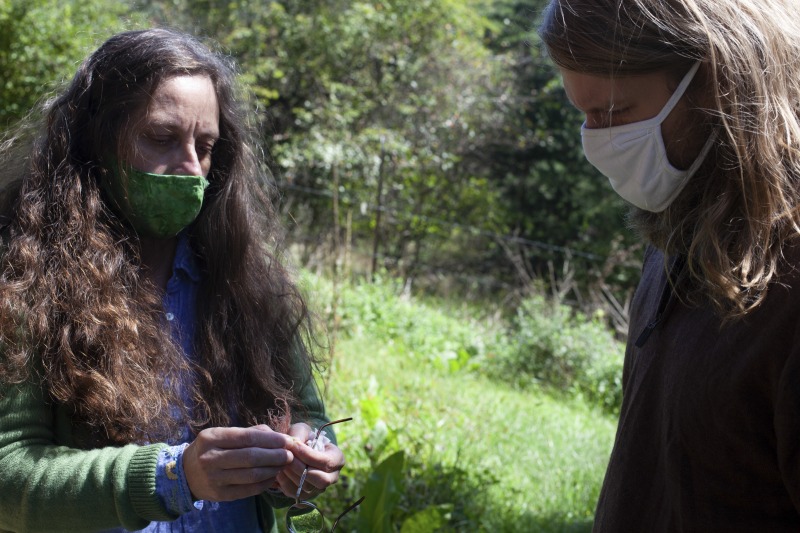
column 383, row 491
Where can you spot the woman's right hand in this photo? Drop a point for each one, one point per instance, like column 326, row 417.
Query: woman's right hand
column 225, row 464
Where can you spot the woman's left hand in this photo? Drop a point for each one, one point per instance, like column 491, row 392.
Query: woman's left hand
column 323, row 466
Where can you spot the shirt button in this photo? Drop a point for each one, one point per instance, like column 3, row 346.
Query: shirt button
column 170, row 317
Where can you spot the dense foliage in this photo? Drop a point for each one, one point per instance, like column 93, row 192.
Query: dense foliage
column 545, row 345
column 42, row 42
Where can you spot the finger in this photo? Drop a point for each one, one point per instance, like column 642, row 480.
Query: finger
column 301, row 431
column 308, row 488
column 289, row 481
column 252, row 437
column 246, row 476
column 318, row 481
column 329, row 460
column 295, row 468
column 222, row 459
column 237, row 492
column 287, row 485
column 315, row 481
column 211, row 471
column 290, row 486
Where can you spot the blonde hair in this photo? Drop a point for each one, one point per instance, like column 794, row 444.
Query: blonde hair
column 735, row 216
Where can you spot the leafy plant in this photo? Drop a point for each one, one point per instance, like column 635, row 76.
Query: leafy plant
column 448, row 342
column 464, row 436
column 479, row 455
column 42, row 42
column 550, row 344
column 433, row 518
column 384, row 489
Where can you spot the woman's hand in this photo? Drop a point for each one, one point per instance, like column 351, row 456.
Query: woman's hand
column 225, row 464
column 323, row 466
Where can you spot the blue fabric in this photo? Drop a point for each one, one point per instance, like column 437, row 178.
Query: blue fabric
column 171, row 486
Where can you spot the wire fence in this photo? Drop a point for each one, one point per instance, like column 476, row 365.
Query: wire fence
column 365, row 207
column 561, row 264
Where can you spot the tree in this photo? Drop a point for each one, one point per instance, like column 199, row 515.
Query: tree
column 42, row 43
column 421, row 119
column 359, row 92
column 551, row 193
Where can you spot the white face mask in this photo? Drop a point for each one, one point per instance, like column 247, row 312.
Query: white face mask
column 634, row 159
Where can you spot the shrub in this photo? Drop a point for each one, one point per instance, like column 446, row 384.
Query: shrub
column 549, row 344
column 545, row 343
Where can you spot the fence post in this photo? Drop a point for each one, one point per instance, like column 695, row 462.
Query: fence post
column 379, row 210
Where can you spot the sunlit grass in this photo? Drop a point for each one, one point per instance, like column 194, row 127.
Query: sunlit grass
column 482, row 453
column 538, row 461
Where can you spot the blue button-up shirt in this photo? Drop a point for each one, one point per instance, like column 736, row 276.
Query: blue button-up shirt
column 171, row 486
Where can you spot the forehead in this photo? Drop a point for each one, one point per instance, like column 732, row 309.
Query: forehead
column 184, row 101
column 591, row 93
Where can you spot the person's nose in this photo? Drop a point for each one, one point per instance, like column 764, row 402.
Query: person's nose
column 189, row 162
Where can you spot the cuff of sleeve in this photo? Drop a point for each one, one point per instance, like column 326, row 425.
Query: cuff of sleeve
column 142, row 483
column 171, row 485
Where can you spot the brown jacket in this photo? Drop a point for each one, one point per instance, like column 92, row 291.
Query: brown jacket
column 709, row 431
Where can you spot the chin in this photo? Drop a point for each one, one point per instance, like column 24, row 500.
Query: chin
column 668, row 230
column 650, row 227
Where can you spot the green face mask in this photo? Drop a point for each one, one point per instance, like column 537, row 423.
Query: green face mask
column 156, row 205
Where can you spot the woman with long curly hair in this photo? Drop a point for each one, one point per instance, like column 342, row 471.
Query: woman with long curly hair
column 692, row 111
column 155, row 369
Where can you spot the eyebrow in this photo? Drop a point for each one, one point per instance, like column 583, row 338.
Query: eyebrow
column 171, row 125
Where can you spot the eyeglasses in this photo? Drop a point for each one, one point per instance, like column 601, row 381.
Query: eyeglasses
column 305, row 517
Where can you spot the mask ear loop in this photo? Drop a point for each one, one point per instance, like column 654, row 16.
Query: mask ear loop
column 712, row 138
column 679, row 92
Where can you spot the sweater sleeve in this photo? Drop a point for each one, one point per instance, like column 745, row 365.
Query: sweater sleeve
column 45, row 486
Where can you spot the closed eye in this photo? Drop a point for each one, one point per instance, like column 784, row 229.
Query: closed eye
column 205, row 148
column 160, row 140
column 607, row 118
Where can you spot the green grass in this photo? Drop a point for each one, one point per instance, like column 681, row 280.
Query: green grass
column 529, row 462
column 485, row 446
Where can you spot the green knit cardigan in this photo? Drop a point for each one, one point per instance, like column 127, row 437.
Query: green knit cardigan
column 49, row 484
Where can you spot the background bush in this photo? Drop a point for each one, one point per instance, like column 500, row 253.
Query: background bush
column 549, row 343
column 545, row 343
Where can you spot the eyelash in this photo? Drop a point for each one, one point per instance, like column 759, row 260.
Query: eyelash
column 606, row 118
column 205, row 148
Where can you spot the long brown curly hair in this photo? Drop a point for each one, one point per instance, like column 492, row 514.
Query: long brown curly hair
column 76, row 312
column 737, row 212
